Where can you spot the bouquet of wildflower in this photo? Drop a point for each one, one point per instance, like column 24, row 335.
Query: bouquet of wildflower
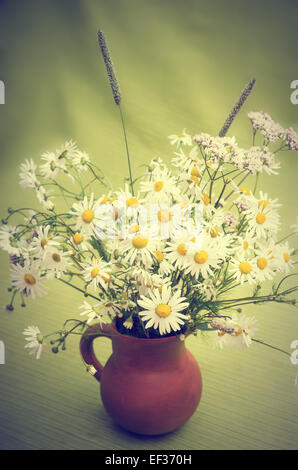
column 178, row 250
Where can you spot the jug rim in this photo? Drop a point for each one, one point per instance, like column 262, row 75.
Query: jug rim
column 156, row 340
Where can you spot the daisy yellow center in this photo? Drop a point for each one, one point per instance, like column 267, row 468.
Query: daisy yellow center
column 286, row 257
column 261, row 218
column 264, row 203
column 262, row 263
column 245, row 190
column 206, row 199
column 88, row 216
column 238, row 330
column 181, row 136
column 29, row 279
column 164, row 215
column 244, row 267
column 132, row 201
column 182, row 250
column 195, row 179
column 228, row 149
column 56, row 257
column 163, row 310
column 159, row 255
column 134, row 228
column 140, row 242
column 43, row 243
column 94, row 272
column 104, row 200
column 201, row 257
column 195, row 172
column 214, row 232
column 107, row 278
column 78, row 238
column 158, row 186
column 245, row 245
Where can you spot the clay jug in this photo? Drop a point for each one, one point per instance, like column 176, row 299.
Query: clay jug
column 148, row 386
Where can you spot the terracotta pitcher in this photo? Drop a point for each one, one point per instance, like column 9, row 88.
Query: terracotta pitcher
column 149, row 386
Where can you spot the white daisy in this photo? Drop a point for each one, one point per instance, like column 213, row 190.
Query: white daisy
column 262, row 221
column 283, row 257
column 87, row 218
column 9, row 240
column 27, row 174
column 243, row 269
column 97, row 272
column 176, row 252
column 56, row 262
column 41, row 241
column 80, row 160
column 138, row 248
column 188, row 161
column 91, row 311
column 265, row 261
column 35, row 340
column 237, row 332
column 164, row 267
column 202, row 258
column 27, row 279
column 160, row 187
column 180, row 139
column 163, row 310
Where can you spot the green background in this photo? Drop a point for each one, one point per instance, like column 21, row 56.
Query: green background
column 180, row 64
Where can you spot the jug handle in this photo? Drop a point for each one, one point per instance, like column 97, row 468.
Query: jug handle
column 86, row 345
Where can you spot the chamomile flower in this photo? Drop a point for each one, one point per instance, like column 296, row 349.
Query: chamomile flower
column 56, row 262
column 9, row 240
column 91, row 311
column 265, row 261
column 52, row 166
column 27, row 279
column 284, row 257
column 85, row 212
column 180, row 139
column 262, row 221
column 164, row 267
column 41, row 241
column 245, row 245
column 80, row 160
column 162, row 311
column 138, row 247
column 187, row 161
column 126, row 202
column 160, row 187
column 35, row 342
column 176, row 252
column 236, row 332
column 202, row 258
column 243, row 269
column 80, row 242
column 97, row 272
column 28, row 177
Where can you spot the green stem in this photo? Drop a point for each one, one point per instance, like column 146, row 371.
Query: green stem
column 127, row 151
